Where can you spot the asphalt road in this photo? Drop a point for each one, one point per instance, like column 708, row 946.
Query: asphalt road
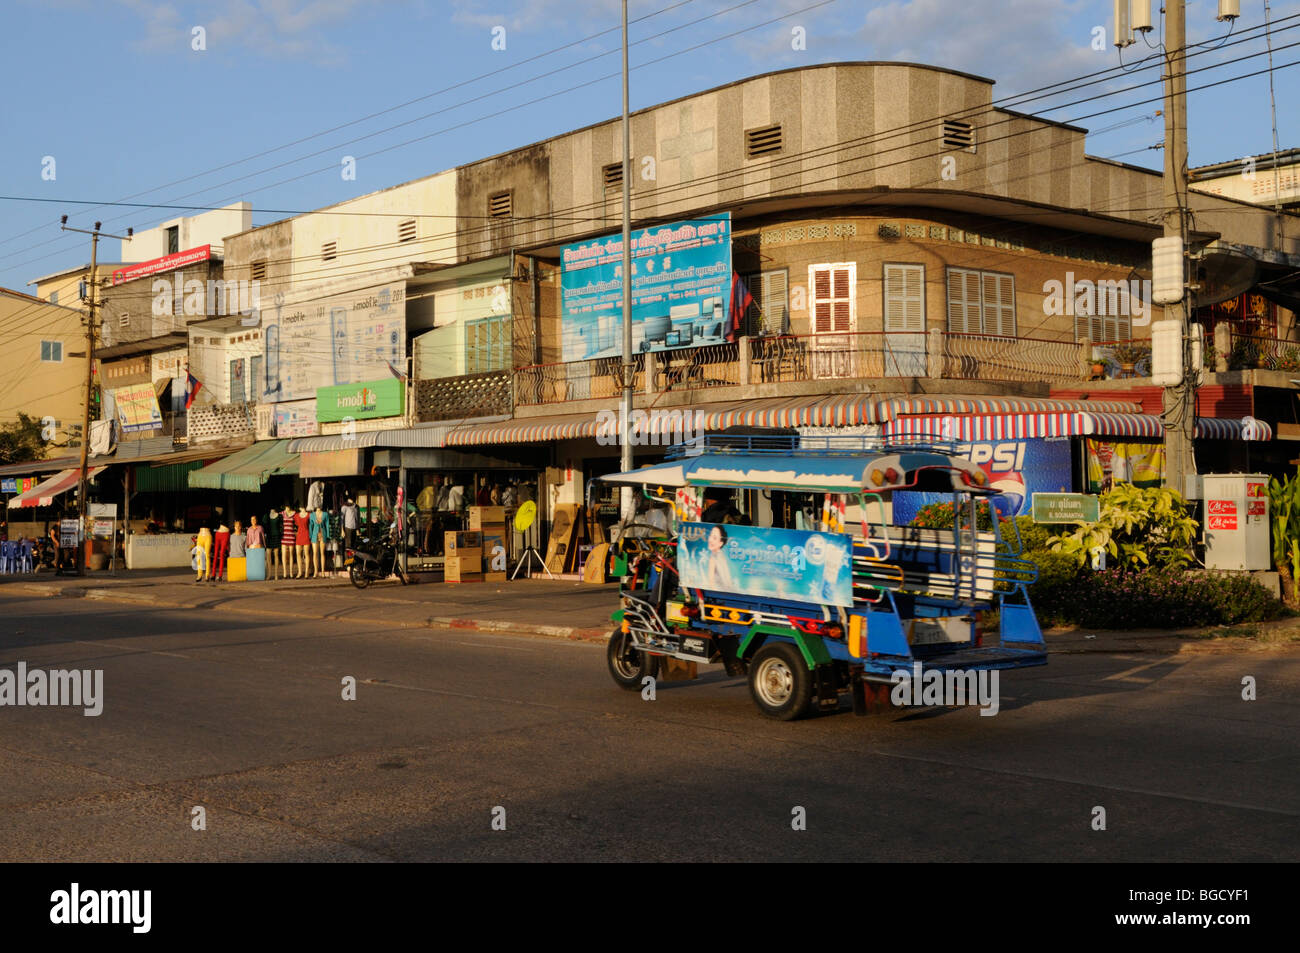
column 248, row 721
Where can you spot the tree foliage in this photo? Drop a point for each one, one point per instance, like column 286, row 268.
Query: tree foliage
column 21, row 441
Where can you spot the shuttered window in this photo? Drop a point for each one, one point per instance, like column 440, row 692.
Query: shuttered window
column 487, row 344
column 771, row 291
column 905, row 298
column 999, row 304
column 1104, row 326
column 834, row 297
column 981, row 302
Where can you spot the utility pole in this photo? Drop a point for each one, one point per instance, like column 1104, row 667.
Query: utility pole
column 625, row 418
column 1180, row 400
column 92, row 286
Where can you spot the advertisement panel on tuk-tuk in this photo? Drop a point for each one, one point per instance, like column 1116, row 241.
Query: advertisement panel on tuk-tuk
column 763, row 561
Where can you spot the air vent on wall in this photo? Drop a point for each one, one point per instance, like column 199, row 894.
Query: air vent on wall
column 764, row 141
column 613, row 174
column 329, row 251
column 958, row 134
column 406, row 231
column 258, row 271
column 500, row 206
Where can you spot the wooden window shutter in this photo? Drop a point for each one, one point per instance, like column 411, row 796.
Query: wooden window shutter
column 963, row 301
column 905, row 298
column 819, row 277
column 999, row 292
column 775, row 300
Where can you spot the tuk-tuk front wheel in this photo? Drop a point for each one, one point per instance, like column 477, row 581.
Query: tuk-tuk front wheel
column 780, row 682
column 627, row 665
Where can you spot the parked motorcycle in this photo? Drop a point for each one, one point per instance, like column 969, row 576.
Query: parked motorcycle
column 372, row 562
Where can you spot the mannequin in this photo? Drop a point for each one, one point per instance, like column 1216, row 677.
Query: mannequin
column 302, row 543
column 256, row 534
column 287, row 534
column 318, row 531
column 201, row 554
column 351, row 518
column 274, row 526
column 220, row 551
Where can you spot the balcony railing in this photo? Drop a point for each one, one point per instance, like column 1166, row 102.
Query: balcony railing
column 577, row 380
column 458, row 398
column 1249, row 351
column 797, row 358
column 991, row 357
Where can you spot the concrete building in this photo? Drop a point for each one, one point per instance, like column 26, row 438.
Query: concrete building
column 42, row 364
column 913, row 251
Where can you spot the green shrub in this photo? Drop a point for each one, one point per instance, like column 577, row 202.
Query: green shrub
column 1156, row 599
column 1138, row 527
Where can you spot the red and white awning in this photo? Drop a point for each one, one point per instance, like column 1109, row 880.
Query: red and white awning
column 43, row 493
column 964, row 428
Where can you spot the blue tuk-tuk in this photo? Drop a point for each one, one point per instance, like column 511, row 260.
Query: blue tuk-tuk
column 781, row 563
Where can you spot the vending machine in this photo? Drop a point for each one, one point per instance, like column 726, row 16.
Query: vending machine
column 1236, row 521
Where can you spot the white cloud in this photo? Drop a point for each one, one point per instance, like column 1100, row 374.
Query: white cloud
column 293, row 29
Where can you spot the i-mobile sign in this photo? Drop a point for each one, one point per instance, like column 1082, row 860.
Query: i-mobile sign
column 167, row 263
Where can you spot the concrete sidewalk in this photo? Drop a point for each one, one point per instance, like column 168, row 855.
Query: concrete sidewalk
column 558, row 608
column 561, row 608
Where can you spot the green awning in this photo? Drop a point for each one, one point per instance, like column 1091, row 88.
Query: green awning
column 248, row 469
column 166, row 477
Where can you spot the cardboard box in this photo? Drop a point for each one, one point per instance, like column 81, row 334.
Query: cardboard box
column 495, row 577
column 454, row 543
column 461, row 569
column 481, row 517
column 490, row 542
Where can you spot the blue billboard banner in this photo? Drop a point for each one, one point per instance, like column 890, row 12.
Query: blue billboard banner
column 681, row 289
column 1016, row 469
column 772, row 563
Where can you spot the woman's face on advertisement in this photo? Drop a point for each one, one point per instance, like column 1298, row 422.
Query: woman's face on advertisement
column 715, row 539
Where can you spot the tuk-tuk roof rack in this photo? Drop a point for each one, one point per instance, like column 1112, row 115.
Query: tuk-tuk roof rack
column 824, row 446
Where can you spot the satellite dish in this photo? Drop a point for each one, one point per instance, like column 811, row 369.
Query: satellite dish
column 525, row 516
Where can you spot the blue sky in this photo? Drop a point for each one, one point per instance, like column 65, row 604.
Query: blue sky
column 116, row 93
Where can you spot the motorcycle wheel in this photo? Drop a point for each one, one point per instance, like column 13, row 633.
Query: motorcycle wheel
column 360, row 578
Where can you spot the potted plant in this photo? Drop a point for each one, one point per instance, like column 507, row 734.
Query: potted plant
column 1128, row 353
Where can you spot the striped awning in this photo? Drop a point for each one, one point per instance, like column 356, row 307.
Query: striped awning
column 996, row 427
column 43, row 493
column 1066, row 424
column 840, row 410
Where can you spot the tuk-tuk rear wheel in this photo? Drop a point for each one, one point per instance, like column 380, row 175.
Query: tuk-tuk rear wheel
column 779, row 682
column 627, row 665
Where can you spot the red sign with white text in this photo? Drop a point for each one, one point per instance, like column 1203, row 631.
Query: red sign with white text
column 1222, row 514
column 159, row 265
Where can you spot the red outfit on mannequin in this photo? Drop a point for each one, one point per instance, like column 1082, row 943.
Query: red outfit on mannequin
column 220, row 550
column 300, row 524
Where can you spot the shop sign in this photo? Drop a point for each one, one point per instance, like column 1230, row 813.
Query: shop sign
column 137, row 408
column 296, row 419
column 1065, row 508
column 681, row 289
column 369, row 399
column 159, row 265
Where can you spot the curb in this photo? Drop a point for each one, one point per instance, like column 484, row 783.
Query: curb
column 1164, row 644
column 572, row 633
